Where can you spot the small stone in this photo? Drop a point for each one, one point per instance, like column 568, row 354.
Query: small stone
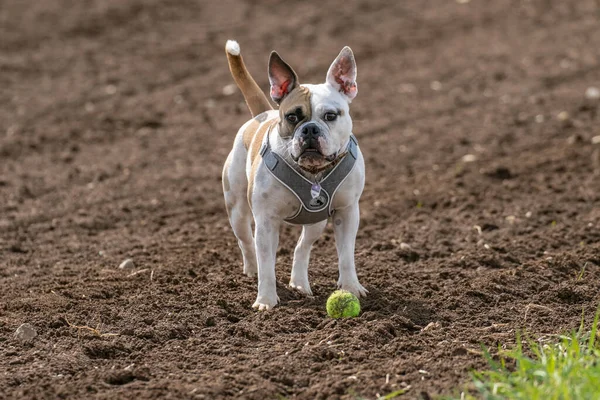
column 539, row 118
column 592, row 93
column 435, row 85
column 528, row 214
column 563, row 116
column 467, row 158
column 596, row 140
column 230, row 89
column 25, row 333
column 430, row 326
column 127, row 264
column 565, row 63
column 110, row 89
column 405, row 246
column 129, row 367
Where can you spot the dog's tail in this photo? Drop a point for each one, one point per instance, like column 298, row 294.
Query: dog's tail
column 255, row 98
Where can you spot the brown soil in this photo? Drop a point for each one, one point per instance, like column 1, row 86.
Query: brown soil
column 113, row 130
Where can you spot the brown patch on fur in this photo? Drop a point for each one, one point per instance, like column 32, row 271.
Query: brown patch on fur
column 248, row 134
column 257, row 140
column 251, row 178
column 253, row 152
column 298, row 98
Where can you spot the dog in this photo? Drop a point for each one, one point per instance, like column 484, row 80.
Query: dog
column 299, row 164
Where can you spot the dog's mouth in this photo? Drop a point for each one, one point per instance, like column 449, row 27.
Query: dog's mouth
column 313, row 161
column 314, row 155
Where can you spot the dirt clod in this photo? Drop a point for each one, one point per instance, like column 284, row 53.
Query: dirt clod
column 25, row 333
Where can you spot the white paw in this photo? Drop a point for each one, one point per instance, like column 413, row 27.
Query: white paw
column 353, row 287
column 250, row 269
column 265, row 303
column 302, row 287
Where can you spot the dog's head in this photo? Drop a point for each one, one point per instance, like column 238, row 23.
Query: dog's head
column 315, row 119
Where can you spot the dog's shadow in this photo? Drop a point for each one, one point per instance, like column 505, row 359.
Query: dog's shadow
column 378, row 304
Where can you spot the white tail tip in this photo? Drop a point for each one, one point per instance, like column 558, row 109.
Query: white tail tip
column 233, row 47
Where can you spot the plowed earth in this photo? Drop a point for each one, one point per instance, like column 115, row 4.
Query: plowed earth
column 114, row 126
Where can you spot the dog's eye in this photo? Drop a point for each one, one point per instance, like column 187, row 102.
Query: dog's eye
column 292, row 118
column 330, row 116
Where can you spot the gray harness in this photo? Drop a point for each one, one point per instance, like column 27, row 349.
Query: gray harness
column 312, row 209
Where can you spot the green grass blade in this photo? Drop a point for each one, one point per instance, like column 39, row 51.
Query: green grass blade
column 392, row 395
column 567, row 368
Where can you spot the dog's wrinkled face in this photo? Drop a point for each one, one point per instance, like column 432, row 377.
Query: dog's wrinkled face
column 314, row 119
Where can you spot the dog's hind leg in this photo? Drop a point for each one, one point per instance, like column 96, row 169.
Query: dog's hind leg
column 299, row 278
column 240, row 216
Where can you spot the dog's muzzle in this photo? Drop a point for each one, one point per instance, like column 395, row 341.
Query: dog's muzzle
column 308, row 137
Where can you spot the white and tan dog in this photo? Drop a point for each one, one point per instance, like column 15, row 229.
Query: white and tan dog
column 310, row 135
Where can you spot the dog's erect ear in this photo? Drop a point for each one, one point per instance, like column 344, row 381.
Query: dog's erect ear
column 342, row 73
column 282, row 77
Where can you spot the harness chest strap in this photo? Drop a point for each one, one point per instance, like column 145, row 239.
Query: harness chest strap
column 311, row 210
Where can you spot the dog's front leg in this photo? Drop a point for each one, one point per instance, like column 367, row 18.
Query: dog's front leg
column 266, row 234
column 299, row 278
column 345, row 223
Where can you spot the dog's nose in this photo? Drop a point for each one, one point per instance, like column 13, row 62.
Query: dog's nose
column 310, row 131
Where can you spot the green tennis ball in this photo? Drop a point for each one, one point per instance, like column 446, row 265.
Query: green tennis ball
column 343, row 304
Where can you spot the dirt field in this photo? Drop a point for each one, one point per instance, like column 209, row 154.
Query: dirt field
column 114, row 125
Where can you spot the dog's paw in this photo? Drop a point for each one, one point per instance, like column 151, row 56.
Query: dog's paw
column 302, row 287
column 250, row 272
column 250, row 269
column 265, row 303
column 353, row 287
